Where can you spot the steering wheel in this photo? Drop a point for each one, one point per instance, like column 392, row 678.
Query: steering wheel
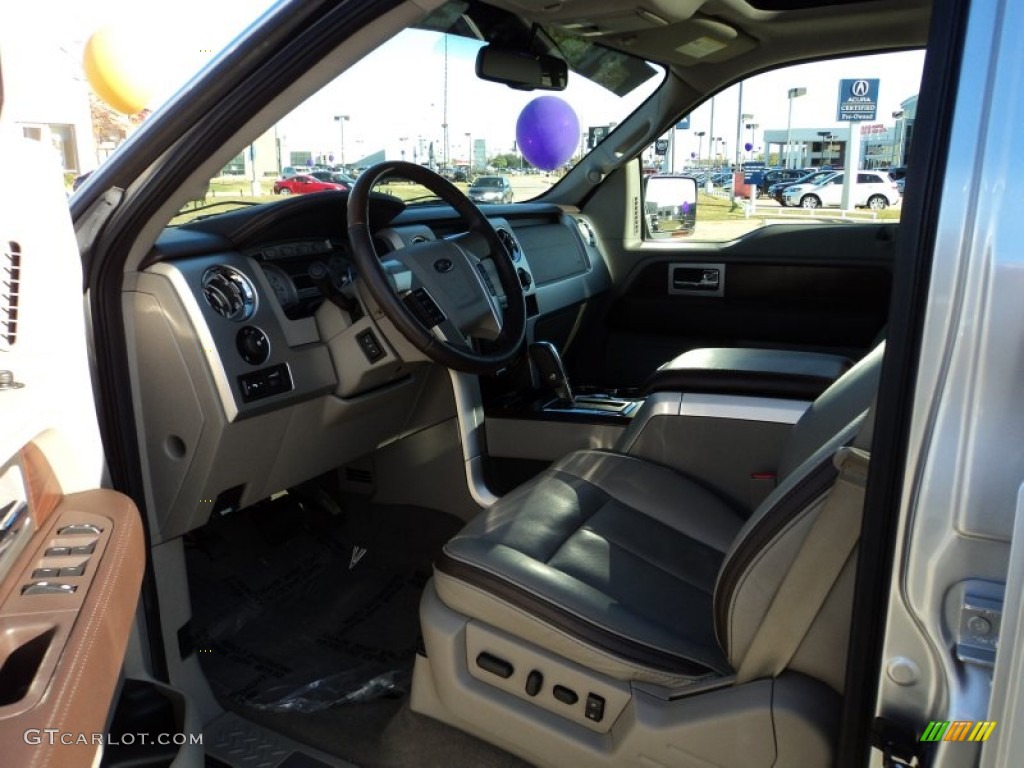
column 437, row 293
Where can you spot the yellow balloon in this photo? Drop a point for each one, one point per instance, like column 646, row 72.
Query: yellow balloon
column 117, row 71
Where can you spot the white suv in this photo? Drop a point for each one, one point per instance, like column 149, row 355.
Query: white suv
column 872, row 190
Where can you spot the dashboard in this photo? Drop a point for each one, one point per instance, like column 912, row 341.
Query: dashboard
column 261, row 361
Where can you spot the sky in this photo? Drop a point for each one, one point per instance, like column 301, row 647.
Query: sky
column 399, row 105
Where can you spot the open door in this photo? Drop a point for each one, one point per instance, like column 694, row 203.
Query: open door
column 71, row 553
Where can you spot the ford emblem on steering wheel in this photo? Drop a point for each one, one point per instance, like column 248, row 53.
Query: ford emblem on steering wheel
column 443, row 265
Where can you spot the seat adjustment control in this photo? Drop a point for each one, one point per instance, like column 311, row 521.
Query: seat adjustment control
column 565, row 695
column 494, row 665
column 534, row 682
column 594, row 709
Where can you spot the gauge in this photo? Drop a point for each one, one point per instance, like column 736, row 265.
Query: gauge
column 284, row 288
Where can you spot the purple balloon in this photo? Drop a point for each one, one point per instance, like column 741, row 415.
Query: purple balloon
column 748, row 146
column 547, row 131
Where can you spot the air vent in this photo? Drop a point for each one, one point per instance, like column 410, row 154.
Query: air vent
column 359, row 475
column 510, row 243
column 229, row 293
column 10, row 289
column 587, row 231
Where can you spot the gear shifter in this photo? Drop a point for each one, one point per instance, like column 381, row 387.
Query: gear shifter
column 552, row 372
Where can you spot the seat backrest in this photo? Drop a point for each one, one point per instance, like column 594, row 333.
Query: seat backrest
column 767, row 545
column 836, row 407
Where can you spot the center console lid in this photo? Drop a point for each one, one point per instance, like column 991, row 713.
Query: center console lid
column 757, row 372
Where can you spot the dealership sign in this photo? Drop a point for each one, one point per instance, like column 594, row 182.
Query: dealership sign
column 858, row 100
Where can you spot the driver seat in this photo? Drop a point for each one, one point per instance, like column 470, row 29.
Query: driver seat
column 613, row 611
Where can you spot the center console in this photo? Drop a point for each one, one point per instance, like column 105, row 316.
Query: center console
column 720, row 415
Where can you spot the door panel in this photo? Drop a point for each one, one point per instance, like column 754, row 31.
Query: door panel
column 71, row 554
column 818, row 288
column 67, row 603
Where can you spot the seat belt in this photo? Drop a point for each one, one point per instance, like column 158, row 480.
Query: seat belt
column 817, row 565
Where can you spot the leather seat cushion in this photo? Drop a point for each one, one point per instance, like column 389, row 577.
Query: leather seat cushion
column 603, row 555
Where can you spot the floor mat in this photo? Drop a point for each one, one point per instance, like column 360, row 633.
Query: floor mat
column 296, row 610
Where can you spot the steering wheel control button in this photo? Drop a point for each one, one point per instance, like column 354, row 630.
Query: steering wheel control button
column 534, row 682
column 444, row 265
column 424, row 307
column 265, row 383
column 49, row 588
column 494, row 665
column 594, row 708
column 253, row 345
column 370, row 346
column 565, row 695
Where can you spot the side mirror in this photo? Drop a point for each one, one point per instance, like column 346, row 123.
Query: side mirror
column 522, row 70
column 670, row 205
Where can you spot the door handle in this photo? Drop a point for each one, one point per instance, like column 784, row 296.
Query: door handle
column 699, row 278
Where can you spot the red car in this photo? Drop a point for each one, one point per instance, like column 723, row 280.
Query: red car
column 302, row 183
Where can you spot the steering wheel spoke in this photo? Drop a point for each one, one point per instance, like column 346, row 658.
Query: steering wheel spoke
column 442, row 294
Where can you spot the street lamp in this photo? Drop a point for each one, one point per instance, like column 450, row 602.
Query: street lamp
column 745, row 119
column 341, row 120
column 752, row 127
column 898, row 138
column 793, row 94
column 469, row 143
column 825, row 136
column 700, row 144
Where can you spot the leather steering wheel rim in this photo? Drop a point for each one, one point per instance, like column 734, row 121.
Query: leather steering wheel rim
column 503, row 349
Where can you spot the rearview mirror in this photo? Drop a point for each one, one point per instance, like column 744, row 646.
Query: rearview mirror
column 522, row 70
column 670, row 205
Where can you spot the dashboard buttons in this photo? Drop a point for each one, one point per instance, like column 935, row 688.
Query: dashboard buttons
column 269, row 381
column 253, row 345
column 370, row 346
column 524, row 278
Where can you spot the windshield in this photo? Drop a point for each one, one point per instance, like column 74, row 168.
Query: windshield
column 417, row 98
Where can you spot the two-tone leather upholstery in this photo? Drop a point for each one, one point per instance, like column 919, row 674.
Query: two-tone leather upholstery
column 640, row 573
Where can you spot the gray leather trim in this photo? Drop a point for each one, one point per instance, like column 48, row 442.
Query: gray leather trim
column 566, row 621
column 761, row 372
column 767, row 525
column 831, row 412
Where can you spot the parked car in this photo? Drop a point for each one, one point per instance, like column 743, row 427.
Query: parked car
column 490, row 189
column 777, row 190
column 873, row 189
column 334, row 177
column 775, row 176
column 304, row 183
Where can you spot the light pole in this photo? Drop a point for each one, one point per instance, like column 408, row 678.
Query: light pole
column 825, row 135
column 700, row 145
column 898, row 138
column 752, row 127
column 793, row 94
column 745, row 119
column 341, row 120
column 469, row 143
